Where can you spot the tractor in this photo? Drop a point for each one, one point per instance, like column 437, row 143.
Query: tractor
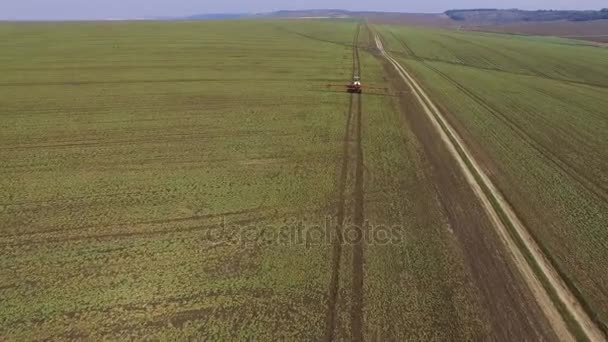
column 355, row 85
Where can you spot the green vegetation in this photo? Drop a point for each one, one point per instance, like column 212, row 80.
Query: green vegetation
column 153, row 174
column 417, row 289
column 533, row 110
column 125, row 145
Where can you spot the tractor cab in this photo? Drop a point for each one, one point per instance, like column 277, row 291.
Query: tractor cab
column 355, row 86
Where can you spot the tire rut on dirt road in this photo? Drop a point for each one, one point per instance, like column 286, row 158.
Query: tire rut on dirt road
column 565, row 167
column 544, row 282
column 349, row 208
column 507, row 309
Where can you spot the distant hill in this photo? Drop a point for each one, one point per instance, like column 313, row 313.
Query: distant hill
column 314, row 13
column 414, row 19
column 216, row 16
column 504, row 16
column 464, row 17
column 310, row 13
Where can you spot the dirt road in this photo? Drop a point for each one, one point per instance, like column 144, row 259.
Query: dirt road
column 522, row 249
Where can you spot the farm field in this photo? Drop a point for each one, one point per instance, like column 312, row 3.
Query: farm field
column 595, row 30
column 124, row 148
column 533, row 111
column 203, row 180
column 150, row 172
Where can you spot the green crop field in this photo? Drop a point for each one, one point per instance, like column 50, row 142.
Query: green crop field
column 534, row 111
column 124, row 143
column 185, row 180
column 148, row 170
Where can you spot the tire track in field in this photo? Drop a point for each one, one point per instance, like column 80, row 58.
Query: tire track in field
column 132, row 81
column 359, row 218
column 558, row 162
column 509, row 72
column 338, row 239
column 563, row 165
column 145, row 139
column 550, row 289
column 308, row 36
column 407, row 48
column 527, row 70
column 517, row 62
column 529, row 73
column 352, row 162
column 194, row 218
column 134, row 234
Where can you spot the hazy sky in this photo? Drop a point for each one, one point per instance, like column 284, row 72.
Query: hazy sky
column 102, row 9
